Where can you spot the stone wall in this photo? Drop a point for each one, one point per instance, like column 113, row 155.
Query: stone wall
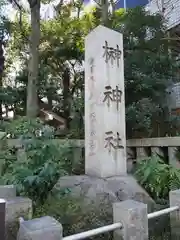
column 166, row 147
column 136, row 148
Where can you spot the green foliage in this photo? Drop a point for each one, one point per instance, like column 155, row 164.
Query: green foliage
column 26, row 128
column 38, row 164
column 149, row 69
column 36, row 171
column 139, row 117
column 157, row 177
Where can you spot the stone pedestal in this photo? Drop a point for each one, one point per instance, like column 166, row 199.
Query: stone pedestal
column 133, row 216
column 99, row 190
column 45, row 228
column 105, row 141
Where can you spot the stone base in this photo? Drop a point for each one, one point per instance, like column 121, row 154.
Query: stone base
column 113, row 189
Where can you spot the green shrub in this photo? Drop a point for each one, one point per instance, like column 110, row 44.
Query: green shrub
column 41, row 163
column 27, row 128
column 157, row 177
column 37, row 171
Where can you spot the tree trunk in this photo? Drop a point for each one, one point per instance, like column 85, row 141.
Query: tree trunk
column 0, row 99
column 32, row 89
column 104, row 12
column 66, row 96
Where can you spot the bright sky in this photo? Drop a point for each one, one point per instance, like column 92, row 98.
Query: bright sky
column 47, row 10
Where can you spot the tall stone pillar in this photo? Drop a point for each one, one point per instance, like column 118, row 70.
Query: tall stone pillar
column 105, row 138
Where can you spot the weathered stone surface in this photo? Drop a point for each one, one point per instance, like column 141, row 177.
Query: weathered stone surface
column 97, row 189
column 7, row 191
column 105, row 138
column 15, row 208
column 21, row 154
column 141, row 153
column 46, row 228
column 157, row 151
column 131, row 159
column 174, row 198
column 173, row 160
column 2, row 135
column 133, row 216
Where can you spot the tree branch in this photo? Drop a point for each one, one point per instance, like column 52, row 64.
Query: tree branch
column 20, row 8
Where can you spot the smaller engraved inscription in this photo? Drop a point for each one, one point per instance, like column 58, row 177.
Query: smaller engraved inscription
column 112, row 54
column 91, row 63
column 92, row 147
column 93, row 133
column 113, row 142
column 91, row 77
column 93, row 116
column 112, row 95
column 91, row 144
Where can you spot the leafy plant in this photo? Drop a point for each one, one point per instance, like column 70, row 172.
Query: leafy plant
column 38, row 164
column 157, row 177
column 36, row 172
column 25, row 127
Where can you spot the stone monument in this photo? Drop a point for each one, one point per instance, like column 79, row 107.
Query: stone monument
column 105, row 138
column 105, row 142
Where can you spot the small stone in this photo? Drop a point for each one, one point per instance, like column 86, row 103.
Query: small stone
column 46, row 228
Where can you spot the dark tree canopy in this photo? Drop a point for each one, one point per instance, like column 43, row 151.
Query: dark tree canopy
column 149, row 67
